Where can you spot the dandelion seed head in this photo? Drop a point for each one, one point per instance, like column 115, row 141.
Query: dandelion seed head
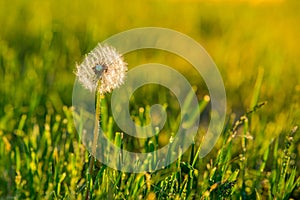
column 103, row 64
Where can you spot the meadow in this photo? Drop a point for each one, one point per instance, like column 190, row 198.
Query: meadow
column 255, row 45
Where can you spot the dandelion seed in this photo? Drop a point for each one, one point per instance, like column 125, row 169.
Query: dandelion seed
column 103, row 64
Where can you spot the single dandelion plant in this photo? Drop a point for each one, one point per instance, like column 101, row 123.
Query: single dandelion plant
column 102, row 70
column 103, row 66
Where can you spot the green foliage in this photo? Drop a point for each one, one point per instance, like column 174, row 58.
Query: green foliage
column 255, row 46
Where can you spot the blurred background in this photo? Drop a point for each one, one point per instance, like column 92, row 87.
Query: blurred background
column 40, row 43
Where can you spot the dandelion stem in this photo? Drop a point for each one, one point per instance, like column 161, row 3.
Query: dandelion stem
column 95, row 139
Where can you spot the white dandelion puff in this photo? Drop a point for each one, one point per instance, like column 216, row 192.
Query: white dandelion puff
column 102, row 64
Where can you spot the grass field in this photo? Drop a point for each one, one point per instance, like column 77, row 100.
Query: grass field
column 255, row 46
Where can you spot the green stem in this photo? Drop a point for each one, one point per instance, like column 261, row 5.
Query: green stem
column 95, row 139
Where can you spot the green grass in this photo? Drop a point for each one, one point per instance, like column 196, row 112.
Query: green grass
column 255, row 46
